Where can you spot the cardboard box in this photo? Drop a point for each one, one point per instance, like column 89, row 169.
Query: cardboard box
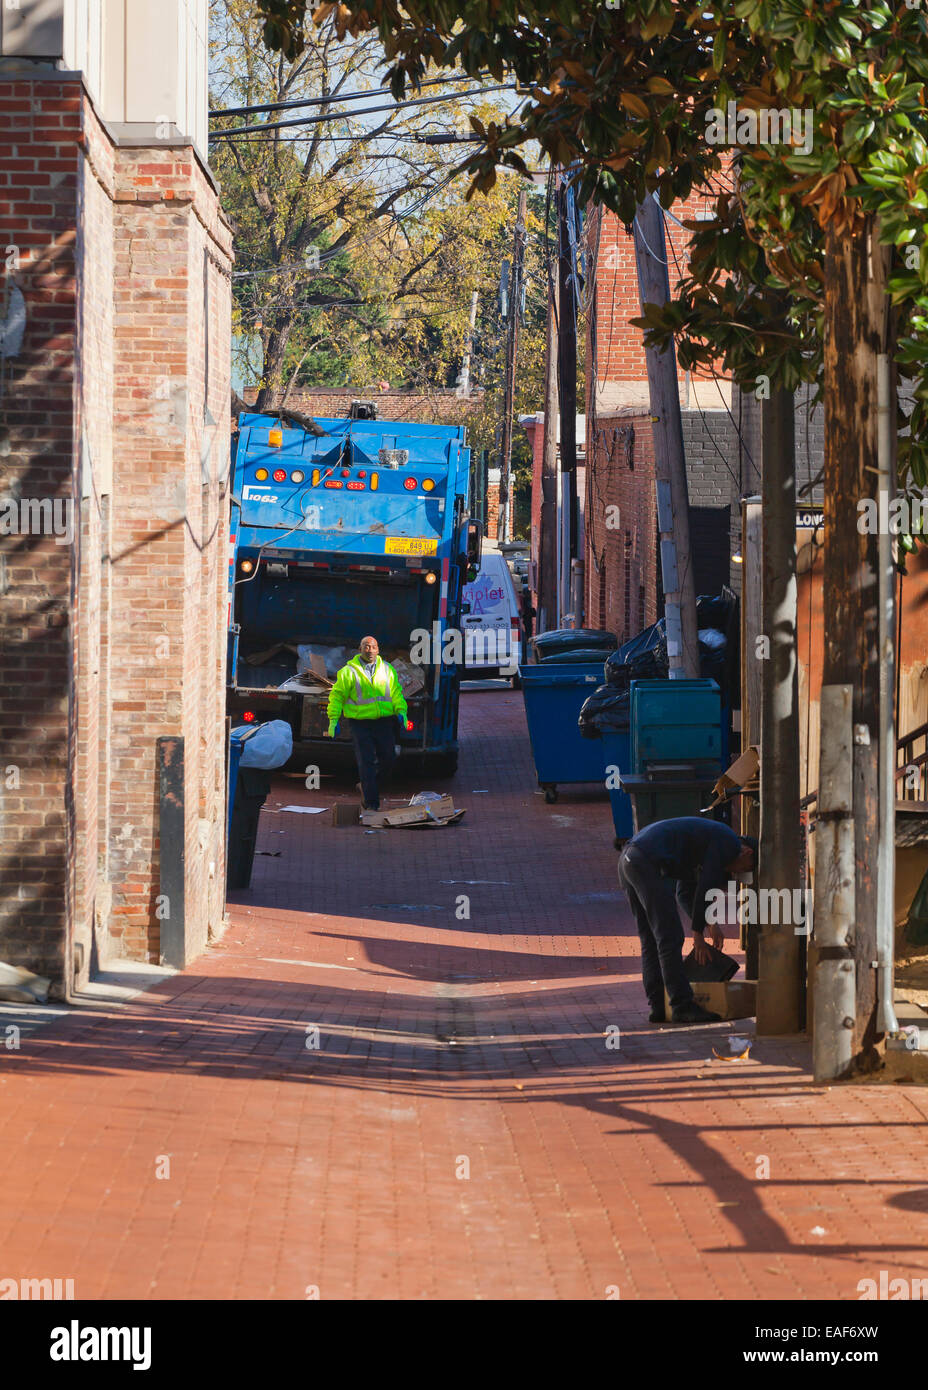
column 345, row 813
column 741, row 776
column 430, row 813
column 733, row 999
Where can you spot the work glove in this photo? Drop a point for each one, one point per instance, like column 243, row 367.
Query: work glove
column 330, row 732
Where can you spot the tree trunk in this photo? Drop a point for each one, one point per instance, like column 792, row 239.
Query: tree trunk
column 855, row 329
column 779, row 989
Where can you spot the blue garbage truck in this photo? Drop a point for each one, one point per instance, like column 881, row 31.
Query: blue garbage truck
column 361, row 528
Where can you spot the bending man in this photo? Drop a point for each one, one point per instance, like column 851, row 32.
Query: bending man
column 692, row 856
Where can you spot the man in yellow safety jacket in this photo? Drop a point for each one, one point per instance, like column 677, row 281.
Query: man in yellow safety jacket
column 367, row 693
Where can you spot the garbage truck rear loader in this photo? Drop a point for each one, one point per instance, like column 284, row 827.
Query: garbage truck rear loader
column 363, row 529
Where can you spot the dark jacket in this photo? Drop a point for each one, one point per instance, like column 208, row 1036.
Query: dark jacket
column 697, row 853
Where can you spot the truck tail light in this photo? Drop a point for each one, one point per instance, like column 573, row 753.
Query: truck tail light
column 297, row 475
column 410, row 484
column 249, row 716
column 355, row 487
column 280, row 475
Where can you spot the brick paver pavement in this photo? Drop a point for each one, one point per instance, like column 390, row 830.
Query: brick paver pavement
column 462, row 1130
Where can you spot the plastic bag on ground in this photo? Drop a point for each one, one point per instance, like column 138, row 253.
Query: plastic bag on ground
column 271, row 745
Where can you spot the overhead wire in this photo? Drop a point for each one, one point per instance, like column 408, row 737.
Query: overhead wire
column 332, row 97
column 353, row 115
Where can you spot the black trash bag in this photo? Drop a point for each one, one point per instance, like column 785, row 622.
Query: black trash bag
column 645, row 657
column 565, row 639
column 642, row 658
column 714, row 610
column 606, row 711
column 580, row 656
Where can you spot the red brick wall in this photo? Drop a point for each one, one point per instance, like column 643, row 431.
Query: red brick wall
column 619, row 348
column 621, row 522
column 105, row 410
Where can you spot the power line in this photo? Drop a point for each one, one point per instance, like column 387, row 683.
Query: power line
column 367, row 111
column 328, row 100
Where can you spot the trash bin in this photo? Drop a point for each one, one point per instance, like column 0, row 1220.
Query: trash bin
column 265, row 746
column 252, row 787
column 553, row 698
column 676, row 748
column 616, row 752
column 604, row 717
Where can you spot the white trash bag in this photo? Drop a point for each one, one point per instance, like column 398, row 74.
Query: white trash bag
column 271, row 745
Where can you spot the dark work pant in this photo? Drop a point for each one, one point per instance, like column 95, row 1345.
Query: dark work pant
column 375, row 751
column 653, row 901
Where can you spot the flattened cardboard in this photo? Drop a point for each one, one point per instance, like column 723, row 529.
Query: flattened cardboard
column 440, row 812
column 345, row 813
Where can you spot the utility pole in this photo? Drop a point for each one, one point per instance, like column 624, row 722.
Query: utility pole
column 779, row 987
column 846, row 944
column 673, row 517
column 512, row 348
column 547, row 618
column 567, row 386
column 464, row 378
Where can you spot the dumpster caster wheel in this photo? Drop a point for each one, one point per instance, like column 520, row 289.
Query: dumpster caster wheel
column 550, row 795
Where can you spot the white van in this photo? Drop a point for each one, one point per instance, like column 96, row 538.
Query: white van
column 492, row 622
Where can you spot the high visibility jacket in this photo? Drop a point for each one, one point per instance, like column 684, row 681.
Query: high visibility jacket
column 357, row 697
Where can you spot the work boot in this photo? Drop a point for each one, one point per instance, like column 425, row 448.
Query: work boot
column 657, row 1015
column 694, row 1013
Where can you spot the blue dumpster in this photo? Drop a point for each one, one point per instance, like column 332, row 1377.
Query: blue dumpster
column 616, row 753
column 553, row 697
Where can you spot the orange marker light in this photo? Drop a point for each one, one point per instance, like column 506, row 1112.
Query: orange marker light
column 375, row 479
column 275, row 438
column 316, row 476
column 260, row 475
column 428, row 484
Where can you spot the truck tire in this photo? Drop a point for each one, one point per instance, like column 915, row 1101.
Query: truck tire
column 440, row 765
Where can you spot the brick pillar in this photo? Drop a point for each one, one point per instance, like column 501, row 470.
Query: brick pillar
column 112, row 574
column 170, row 534
column 39, row 164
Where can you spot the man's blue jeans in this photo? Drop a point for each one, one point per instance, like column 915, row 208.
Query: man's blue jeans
column 375, row 750
column 652, row 898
